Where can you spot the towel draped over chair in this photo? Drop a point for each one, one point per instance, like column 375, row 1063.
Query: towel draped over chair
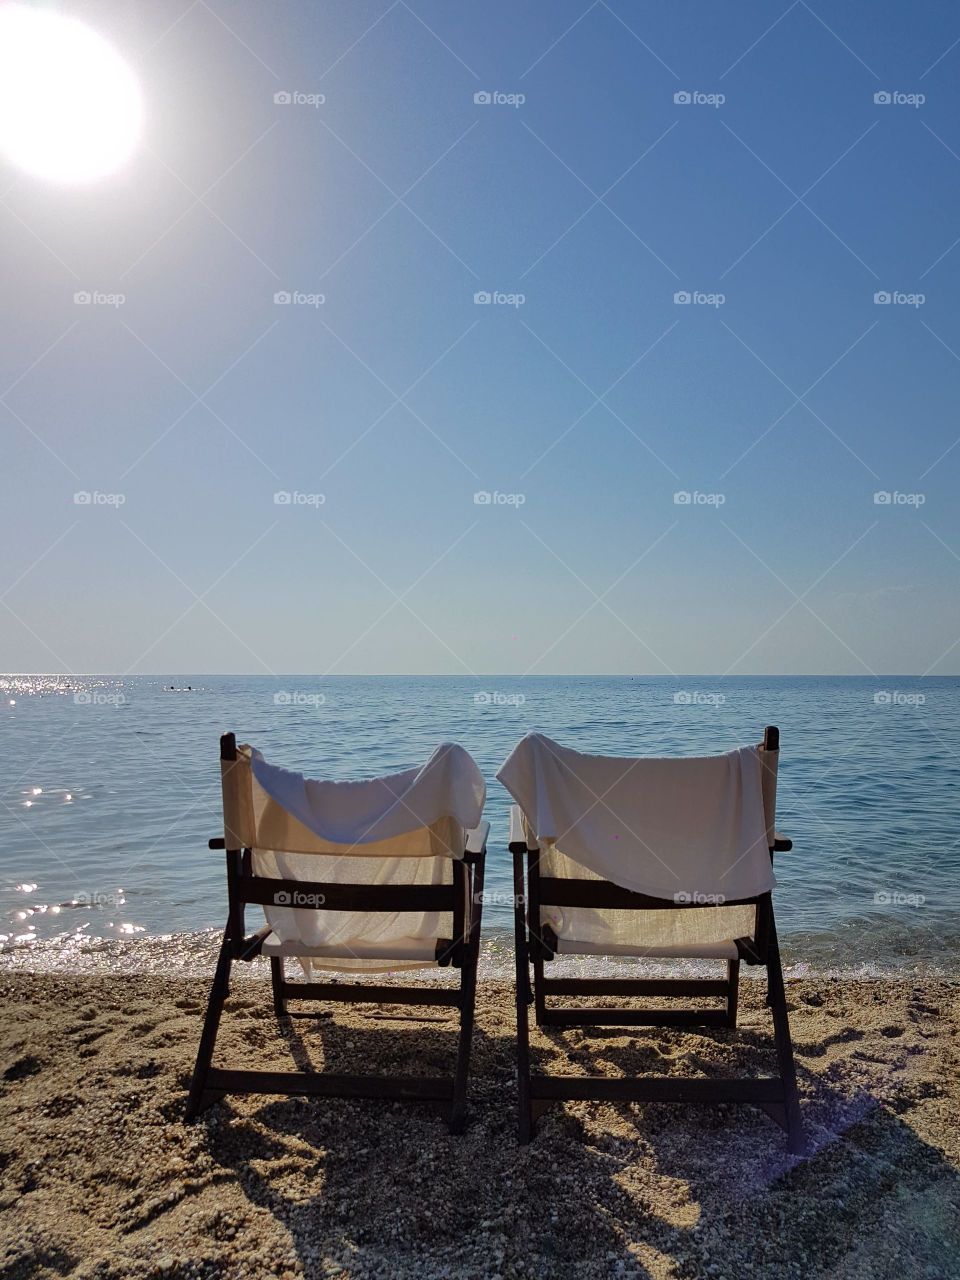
column 684, row 830
column 400, row 829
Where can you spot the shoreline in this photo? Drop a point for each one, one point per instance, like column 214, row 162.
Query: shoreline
column 194, row 955
column 102, row 1178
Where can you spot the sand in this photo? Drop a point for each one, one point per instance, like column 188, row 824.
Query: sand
column 101, row 1178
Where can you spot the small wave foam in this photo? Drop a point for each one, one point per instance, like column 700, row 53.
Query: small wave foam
column 195, row 954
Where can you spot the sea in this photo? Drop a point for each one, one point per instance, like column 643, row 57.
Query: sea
column 111, row 790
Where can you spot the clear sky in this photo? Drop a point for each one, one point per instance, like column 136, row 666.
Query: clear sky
column 584, row 408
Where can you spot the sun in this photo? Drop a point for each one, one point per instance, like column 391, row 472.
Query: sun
column 70, row 108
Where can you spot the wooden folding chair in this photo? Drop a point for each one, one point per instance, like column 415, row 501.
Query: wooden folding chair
column 461, row 897
column 537, row 943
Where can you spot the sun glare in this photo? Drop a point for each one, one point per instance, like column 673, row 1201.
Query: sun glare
column 70, row 107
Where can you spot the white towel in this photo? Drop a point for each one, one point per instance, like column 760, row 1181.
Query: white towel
column 402, row 829
column 679, row 829
column 449, row 785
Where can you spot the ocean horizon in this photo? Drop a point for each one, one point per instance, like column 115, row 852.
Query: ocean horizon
column 115, row 792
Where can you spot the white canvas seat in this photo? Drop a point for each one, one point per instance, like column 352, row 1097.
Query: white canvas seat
column 662, row 859
column 367, row 876
column 403, row 829
column 708, row 933
column 399, row 952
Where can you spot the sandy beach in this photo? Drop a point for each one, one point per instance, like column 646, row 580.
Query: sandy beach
column 101, row 1178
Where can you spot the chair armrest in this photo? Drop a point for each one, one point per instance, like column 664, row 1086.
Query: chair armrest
column 518, row 832
column 477, row 838
column 217, row 842
column 781, row 844
column 518, row 838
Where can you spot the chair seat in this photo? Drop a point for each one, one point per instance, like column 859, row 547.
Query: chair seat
column 725, row 950
column 399, row 949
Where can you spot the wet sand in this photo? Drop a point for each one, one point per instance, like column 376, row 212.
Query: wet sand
column 99, row 1177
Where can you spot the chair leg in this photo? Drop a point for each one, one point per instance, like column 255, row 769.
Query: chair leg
column 276, row 981
column 525, row 1122
column 733, row 991
column 468, row 998
column 777, row 998
column 199, row 1098
column 539, row 997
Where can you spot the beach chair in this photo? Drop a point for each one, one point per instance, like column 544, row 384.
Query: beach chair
column 356, row 877
column 663, row 859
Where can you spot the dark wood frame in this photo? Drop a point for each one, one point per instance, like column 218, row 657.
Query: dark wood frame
column 210, row 1083
column 536, row 944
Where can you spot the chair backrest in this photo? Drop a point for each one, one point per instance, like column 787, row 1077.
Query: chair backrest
column 580, row 891
column 392, row 847
column 418, row 813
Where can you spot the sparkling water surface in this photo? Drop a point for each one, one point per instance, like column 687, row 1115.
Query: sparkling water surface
column 112, row 789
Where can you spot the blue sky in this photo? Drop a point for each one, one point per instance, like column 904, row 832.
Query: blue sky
column 783, row 409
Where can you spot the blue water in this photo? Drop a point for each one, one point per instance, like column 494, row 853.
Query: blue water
column 111, row 789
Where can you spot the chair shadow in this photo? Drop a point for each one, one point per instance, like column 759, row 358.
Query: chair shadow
column 604, row 1189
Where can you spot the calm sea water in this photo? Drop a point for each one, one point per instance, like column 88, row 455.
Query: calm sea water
column 111, row 789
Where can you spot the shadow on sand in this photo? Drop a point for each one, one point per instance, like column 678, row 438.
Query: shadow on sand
column 655, row 1191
